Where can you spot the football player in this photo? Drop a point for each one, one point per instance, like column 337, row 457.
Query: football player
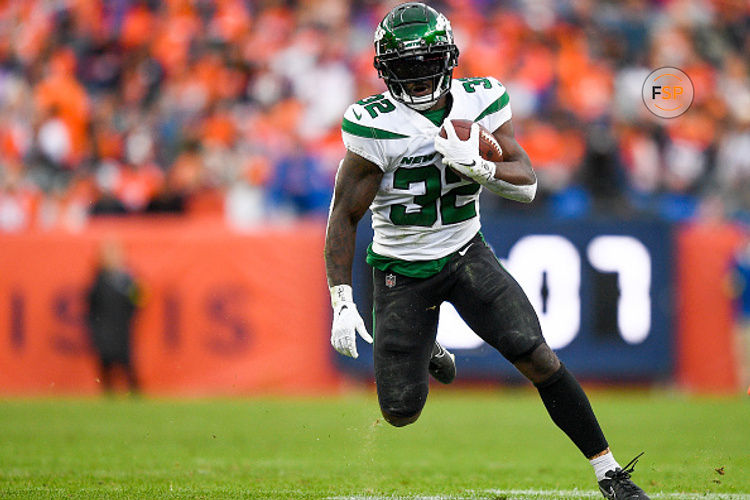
column 427, row 246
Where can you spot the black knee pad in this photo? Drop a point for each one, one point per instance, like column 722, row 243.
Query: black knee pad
column 524, row 348
column 402, row 405
column 539, row 364
column 398, row 421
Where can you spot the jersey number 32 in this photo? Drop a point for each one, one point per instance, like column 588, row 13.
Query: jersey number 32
column 427, row 214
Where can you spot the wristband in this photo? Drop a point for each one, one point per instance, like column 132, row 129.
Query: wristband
column 340, row 294
column 488, row 169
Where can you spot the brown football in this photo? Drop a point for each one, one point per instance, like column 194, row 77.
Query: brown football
column 489, row 149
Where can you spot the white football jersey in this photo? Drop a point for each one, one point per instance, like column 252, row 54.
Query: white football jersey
column 423, row 210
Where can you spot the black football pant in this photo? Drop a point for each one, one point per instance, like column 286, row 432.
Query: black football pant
column 406, row 312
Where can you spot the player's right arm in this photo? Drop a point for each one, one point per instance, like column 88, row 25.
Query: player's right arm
column 357, row 183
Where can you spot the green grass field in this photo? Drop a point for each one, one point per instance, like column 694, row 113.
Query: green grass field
column 468, row 445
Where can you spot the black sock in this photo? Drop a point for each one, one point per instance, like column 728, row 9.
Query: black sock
column 571, row 411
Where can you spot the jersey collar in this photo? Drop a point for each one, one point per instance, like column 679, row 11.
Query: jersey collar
column 421, row 122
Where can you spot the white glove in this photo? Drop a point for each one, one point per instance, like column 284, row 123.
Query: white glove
column 346, row 322
column 463, row 156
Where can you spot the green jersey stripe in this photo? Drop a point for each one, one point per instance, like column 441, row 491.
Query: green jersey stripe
column 369, row 132
column 496, row 106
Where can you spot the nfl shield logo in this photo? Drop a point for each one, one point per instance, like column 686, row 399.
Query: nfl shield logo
column 390, row 280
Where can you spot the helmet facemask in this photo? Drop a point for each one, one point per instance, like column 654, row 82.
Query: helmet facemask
column 422, row 68
column 414, row 52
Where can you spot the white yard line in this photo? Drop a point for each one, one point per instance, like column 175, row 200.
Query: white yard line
column 544, row 495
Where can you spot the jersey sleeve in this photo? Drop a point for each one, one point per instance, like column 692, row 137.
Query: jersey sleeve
column 361, row 138
column 497, row 107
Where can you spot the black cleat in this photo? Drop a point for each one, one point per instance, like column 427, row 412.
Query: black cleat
column 618, row 485
column 442, row 364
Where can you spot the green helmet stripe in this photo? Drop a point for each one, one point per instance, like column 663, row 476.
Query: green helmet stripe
column 496, row 106
column 406, row 28
column 369, row 132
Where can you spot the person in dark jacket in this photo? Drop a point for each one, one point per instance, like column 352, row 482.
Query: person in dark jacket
column 112, row 303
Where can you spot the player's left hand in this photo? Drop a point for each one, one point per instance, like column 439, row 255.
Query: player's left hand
column 463, row 156
column 456, row 150
column 481, row 171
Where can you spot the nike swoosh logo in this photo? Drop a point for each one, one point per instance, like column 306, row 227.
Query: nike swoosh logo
column 473, row 162
column 463, row 252
column 357, row 114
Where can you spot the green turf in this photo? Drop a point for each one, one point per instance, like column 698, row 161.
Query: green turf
column 485, row 445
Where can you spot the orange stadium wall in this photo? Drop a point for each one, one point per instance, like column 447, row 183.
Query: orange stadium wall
column 247, row 313
column 707, row 360
column 223, row 312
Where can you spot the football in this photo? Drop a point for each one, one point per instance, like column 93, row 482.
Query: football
column 489, row 149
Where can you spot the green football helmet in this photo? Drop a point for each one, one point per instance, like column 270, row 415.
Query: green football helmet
column 414, row 49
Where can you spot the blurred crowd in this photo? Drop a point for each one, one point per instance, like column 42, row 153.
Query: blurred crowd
column 234, row 106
